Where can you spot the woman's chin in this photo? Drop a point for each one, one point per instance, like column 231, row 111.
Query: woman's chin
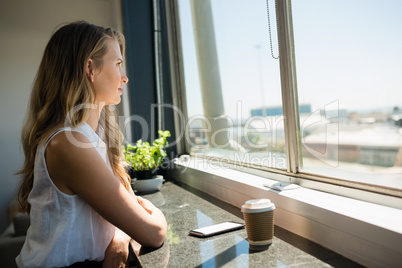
column 116, row 101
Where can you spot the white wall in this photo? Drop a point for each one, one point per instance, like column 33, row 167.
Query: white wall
column 25, row 28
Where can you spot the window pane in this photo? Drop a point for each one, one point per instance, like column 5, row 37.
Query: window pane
column 348, row 61
column 249, row 80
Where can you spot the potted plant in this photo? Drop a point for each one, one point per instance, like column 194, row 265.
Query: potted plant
column 145, row 159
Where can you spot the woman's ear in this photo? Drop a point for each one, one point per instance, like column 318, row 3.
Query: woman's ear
column 89, row 70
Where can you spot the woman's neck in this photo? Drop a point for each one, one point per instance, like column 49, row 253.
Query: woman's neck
column 94, row 116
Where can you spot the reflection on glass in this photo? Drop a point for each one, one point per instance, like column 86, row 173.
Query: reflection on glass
column 242, row 252
column 249, row 81
column 207, row 248
column 348, row 71
column 216, row 253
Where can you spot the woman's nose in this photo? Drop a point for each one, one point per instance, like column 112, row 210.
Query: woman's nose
column 124, row 78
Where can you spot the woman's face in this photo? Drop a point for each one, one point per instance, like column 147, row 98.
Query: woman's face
column 109, row 79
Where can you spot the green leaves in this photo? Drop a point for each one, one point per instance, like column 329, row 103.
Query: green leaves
column 143, row 156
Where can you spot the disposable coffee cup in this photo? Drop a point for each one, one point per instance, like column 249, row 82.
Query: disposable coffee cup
column 259, row 217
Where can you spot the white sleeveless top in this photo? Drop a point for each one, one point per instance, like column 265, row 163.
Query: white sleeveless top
column 64, row 228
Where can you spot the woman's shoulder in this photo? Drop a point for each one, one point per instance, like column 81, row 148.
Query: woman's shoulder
column 63, row 154
column 71, row 156
column 67, row 142
column 66, row 136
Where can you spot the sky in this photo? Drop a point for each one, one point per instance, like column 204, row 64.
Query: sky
column 346, row 51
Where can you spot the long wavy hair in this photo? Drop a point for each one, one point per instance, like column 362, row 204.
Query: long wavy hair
column 62, row 85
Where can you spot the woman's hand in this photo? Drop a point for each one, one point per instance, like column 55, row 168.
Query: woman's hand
column 116, row 254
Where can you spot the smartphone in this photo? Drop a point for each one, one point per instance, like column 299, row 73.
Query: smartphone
column 217, row 229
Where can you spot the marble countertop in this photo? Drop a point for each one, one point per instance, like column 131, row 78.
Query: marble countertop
column 186, row 209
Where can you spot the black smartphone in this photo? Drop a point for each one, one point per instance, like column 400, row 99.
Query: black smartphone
column 217, row 229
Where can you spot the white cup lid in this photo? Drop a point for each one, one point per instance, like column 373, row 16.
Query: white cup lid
column 257, row 205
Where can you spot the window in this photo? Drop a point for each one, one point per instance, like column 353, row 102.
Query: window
column 348, row 62
column 243, row 75
column 347, row 100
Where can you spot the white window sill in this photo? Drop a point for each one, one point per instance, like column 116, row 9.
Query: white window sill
column 364, row 232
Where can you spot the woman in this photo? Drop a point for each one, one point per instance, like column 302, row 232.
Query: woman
column 74, row 185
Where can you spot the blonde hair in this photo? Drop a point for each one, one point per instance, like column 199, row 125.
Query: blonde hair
column 62, row 85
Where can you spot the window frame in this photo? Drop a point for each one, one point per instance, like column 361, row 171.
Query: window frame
column 363, row 191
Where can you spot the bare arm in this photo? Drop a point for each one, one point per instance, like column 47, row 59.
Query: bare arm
column 82, row 171
column 116, row 254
